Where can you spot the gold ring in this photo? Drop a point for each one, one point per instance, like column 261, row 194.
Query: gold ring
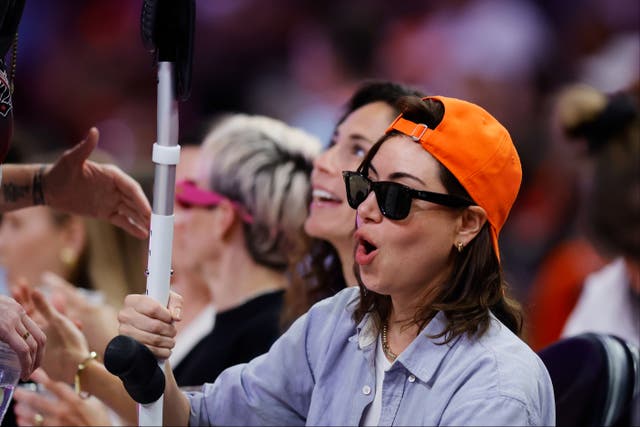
column 38, row 419
column 26, row 335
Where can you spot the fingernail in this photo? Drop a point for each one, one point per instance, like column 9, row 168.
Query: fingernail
column 177, row 312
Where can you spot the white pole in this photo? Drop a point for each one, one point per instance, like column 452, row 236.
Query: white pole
column 166, row 154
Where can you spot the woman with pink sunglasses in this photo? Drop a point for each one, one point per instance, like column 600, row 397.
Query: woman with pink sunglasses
column 240, row 220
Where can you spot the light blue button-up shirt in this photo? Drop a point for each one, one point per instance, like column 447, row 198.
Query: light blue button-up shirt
column 321, row 372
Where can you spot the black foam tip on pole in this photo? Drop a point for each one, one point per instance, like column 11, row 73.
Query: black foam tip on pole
column 167, row 29
column 137, row 367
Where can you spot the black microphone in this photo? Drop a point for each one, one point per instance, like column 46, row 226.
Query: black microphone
column 167, row 27
column 137, row 367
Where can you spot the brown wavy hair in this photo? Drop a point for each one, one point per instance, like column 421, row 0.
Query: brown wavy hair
column 476, row 285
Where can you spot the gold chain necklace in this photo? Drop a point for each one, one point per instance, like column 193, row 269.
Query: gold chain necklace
column 385, row 344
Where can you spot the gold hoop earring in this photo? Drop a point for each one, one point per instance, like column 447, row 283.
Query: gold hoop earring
column 459, row 246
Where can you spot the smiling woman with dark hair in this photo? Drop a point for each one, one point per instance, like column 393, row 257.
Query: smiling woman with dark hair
column 428, row 337
column 327, row 266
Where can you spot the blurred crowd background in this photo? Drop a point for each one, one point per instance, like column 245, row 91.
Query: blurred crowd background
column 82, row 63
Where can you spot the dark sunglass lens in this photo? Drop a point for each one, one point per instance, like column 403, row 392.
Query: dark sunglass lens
column 357, row 190
column 394, row 201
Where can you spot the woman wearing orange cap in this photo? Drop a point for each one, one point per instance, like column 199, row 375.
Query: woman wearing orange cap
column 427, row 337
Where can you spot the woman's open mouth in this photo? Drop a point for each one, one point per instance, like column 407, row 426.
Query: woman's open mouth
column 365, row 252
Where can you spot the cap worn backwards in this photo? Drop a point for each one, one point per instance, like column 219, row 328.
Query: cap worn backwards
column 478, row 151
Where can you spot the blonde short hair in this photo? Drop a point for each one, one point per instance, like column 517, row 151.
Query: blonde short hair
column 265, row 165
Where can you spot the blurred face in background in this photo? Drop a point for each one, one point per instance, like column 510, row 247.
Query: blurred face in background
column 330, row 217
column 31, row 242
column 192, row 224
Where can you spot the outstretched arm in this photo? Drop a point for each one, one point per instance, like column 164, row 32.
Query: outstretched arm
column 77, row 185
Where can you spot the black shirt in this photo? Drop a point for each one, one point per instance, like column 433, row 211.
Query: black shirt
column 238, row 335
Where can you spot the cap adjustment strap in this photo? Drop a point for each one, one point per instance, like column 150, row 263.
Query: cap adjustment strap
column 415, row 131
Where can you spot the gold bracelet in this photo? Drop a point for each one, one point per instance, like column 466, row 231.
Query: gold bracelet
column 81, row 366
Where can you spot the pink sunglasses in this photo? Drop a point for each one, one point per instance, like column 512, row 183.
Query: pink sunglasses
column 189, row 195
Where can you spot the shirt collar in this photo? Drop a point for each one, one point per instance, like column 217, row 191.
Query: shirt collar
column 423, row 356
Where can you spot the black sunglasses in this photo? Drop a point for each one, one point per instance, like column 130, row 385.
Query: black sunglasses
column 394, row 200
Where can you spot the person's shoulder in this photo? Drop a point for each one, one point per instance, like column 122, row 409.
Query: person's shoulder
column 506, row 344
column 499, row 367
column 604, row 303
column 602, row 289
column 609, row 277
column 325, row 327
column 335, row 311
column 499, row 358
column 346, row 299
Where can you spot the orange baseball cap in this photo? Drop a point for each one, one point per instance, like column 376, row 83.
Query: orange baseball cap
column 478, row 151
